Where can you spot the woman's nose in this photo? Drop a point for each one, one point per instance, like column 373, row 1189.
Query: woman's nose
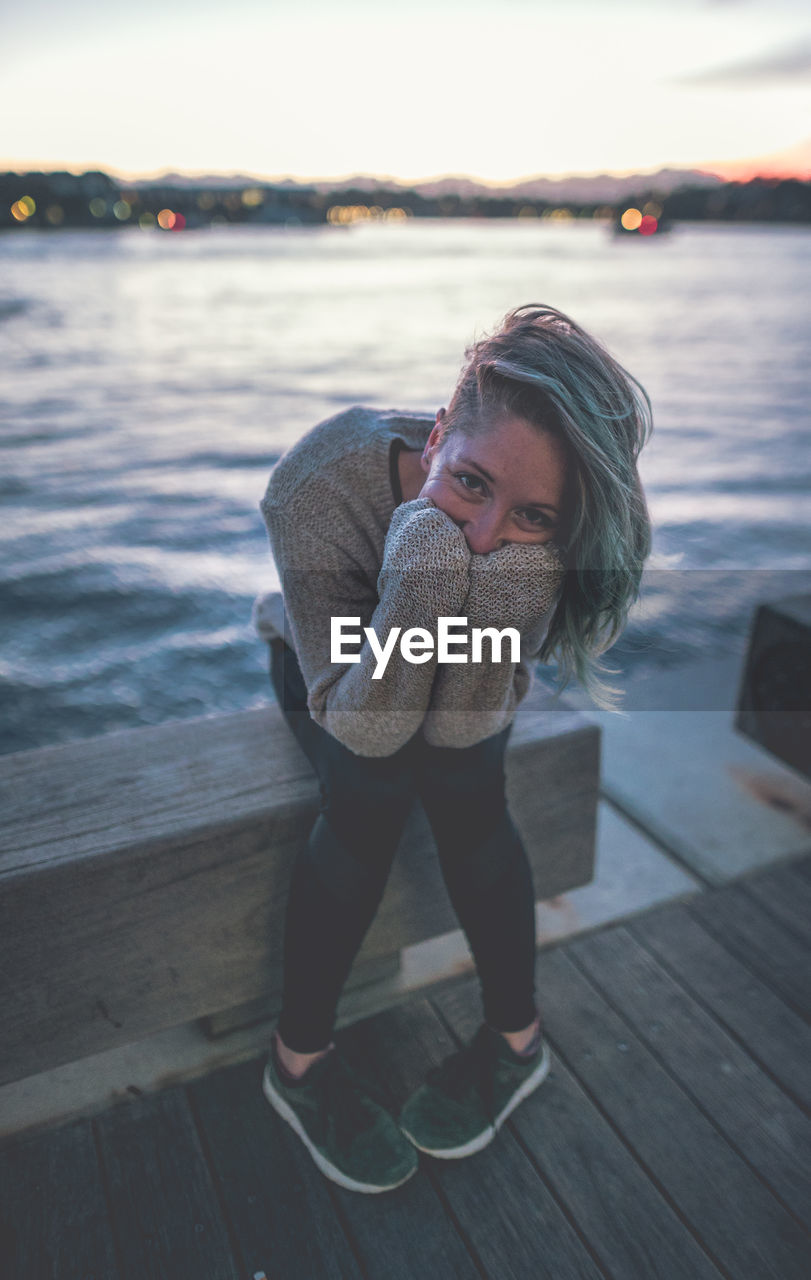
column 483, row 535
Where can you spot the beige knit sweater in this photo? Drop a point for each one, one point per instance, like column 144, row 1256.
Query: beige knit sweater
column 345, row 548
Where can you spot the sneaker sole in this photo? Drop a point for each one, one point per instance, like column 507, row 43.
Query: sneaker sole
column 487, row 1135
column 326, row 1166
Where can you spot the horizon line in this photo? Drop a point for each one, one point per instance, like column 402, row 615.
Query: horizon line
column 726, row 170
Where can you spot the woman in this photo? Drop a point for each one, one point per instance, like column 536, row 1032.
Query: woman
column 518, row 507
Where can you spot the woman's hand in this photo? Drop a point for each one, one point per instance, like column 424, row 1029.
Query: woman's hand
column 516, row 586
column 426, row 548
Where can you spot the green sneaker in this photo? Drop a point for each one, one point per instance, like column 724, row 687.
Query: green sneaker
column 343, row 1124
column 466, row 1099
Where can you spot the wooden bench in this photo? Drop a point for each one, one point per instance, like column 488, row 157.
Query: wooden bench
column 774, row 698
column 144, row 874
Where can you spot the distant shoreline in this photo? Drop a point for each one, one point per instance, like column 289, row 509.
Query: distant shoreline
column 53, row 201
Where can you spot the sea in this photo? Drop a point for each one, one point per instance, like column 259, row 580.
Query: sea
column 151, row 380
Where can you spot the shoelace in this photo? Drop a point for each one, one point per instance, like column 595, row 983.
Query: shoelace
column 471, row 1066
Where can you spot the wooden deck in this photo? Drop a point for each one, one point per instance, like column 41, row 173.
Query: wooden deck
column 671, row 1138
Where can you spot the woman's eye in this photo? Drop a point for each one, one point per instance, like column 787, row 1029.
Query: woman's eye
column 467, row 476
column 533, row 516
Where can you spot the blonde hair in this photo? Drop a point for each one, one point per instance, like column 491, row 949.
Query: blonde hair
column 541, row 366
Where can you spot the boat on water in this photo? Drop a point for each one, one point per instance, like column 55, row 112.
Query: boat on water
column 648, row 221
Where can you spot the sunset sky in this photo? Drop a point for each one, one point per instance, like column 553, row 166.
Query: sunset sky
column 497, row 91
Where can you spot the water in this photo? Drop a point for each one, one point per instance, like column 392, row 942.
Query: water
column 151, row 381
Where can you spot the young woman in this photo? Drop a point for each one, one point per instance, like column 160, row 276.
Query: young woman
column 519, row 506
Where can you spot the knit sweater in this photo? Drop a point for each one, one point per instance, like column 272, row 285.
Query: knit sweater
column 345, row 546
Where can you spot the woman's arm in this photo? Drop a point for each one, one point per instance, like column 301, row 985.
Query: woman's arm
column 424, row 575
column 516, row 586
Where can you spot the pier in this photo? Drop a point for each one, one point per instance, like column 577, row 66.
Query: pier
column 670, row 1139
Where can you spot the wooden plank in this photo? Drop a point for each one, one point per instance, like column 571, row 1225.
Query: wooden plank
column 756, row 1116
column 725, row 1204
column 505, row 1212
column 786, row 895
column 53, row 1213
column 138, row 786
column 100, row 955
column 278, row 1203
column 164, row 1208
column 774, row 683
column 362, row 974
column 802, row 866
column 757, row 940
column 631, row 1229
column 144, row 878
column 552, row 770
column 767, row 1028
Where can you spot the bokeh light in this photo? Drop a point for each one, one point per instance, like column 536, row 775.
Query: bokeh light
column 631, row 220
column 343, row 214
column 19, row 211
column 23, row 208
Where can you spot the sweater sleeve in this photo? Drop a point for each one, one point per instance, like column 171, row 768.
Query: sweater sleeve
column 424, row 575
column 517, row 586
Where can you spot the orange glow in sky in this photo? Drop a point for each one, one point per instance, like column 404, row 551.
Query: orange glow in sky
column 794, row 162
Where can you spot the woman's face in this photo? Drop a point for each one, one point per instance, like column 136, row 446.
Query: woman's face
column 503, row 484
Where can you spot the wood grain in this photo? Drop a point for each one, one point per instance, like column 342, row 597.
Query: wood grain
column 53, row 1208
column 144, row 874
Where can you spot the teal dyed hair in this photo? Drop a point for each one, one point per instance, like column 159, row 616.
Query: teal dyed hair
column 541, row 366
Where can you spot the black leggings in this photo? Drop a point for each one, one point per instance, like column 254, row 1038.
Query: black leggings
column 339, row 877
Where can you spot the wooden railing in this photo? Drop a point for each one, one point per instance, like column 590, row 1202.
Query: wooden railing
column 144, row 874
